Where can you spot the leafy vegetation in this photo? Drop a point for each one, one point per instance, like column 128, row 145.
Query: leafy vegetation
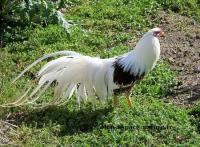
column 189, row 8
column 17, row 15
column 106, row 29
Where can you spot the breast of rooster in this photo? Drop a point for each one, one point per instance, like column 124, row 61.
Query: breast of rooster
column 124, row 79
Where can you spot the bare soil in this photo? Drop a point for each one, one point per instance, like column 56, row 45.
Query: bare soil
column 181, row 48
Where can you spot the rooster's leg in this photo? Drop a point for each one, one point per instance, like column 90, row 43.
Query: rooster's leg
column 128, row 97
column 115, row 101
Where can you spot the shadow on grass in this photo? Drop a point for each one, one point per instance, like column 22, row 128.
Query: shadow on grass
column 189, row 94
column 194, row 92
column 196, row 118
column 70, row 121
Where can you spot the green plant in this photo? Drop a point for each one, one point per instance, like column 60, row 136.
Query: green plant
column 195, row 116
column 41, row 12
column 18, row 15
column 158, row 82
column 189, row 8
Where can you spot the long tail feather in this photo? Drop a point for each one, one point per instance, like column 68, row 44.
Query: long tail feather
column 73, row 73
column 43, row 90
column 43, row 58
column 20, row 101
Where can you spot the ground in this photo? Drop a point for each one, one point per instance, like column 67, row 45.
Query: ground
column 181, row 48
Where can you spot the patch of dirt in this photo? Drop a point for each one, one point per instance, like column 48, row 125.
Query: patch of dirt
column 181, row 48
column 7, row 129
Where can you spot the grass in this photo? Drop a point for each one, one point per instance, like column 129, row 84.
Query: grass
column 67, row 125
column 103, row 28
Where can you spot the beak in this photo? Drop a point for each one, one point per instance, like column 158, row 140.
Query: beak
column 162, row 33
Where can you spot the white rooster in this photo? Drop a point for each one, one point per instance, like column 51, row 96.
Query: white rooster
column 91, row 77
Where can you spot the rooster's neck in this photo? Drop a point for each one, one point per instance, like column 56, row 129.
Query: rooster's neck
column 143, row 58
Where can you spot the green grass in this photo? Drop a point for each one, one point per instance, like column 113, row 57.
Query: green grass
column 190, row 8
column 103, row 28
column 67, row 125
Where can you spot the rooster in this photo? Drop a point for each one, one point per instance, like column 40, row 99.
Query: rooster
column 92, row 77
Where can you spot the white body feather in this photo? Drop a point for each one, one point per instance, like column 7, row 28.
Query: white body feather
column 90, row 76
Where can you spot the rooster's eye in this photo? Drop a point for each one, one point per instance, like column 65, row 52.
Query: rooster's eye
column 159, row 33
column 156, row 33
